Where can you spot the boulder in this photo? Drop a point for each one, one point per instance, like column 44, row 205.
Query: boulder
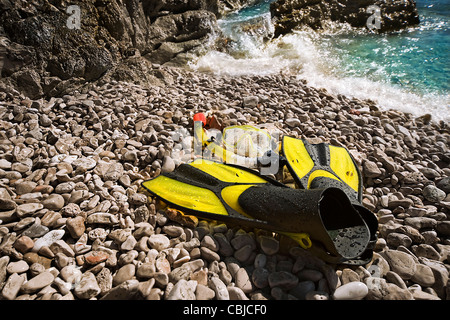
column 48, row 49
column 290, row 14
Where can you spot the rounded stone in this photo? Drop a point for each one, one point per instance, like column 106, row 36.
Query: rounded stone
column 401, row 263
column 125, row 273
column 17, row 267
column 351, row 291
column 158, row 242
column 38, row 282
column 48, row 239
column 24, row 244
column 243, row 282
column 70, row 210
column 146, row 270
column 260, row 277
column 433, row 193
column 168, row 164
column 28, row 209
column 96, row 257
column 87, row 287
column 25, row 187
column 317, row 295
column 75, row 226
column 424, row 275
column 84, row 163
column 219, row 288
column 444, row 184
column 244, row 253
column 283, row 280
column 302, row 289
column 183, row 290
column 269, row 245
column 54, row 202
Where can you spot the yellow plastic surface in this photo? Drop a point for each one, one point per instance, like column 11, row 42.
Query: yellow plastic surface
column 295, row 152
column 186, row 196
column 301, row 238
column 226, row 173
column 320, row 173
column 342, row 164
column 231, row 194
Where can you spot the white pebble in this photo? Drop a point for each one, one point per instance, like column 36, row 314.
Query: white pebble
column 351, row 291
column 47, row 239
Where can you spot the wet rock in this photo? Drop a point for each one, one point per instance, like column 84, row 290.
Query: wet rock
column 260, row 277
column 244, row 253
column 443, row 227
column 225, row 248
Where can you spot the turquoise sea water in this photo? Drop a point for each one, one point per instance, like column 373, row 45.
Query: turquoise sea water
column 418, row 58
column 406, row 70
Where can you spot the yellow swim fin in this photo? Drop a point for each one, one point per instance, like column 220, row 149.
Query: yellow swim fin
column 321, row 166
column 322, row 219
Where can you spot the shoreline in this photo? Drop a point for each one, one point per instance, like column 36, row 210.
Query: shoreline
column 71, row 169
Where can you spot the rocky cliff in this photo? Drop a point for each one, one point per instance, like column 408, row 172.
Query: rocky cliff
column 48, row 46
column 393, row 14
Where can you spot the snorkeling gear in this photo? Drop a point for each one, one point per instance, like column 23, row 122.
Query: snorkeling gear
column 324, row 214
column 244, row 145
column 322, row 220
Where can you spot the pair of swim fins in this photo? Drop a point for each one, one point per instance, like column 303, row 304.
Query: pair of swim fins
column 323, row 215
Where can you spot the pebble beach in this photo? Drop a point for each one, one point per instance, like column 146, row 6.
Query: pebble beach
column 76, row 225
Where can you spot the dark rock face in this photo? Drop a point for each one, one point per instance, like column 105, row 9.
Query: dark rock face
column 44, row 53
column 289, row 14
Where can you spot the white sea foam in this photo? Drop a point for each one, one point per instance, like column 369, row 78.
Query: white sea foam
column 301, row 54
